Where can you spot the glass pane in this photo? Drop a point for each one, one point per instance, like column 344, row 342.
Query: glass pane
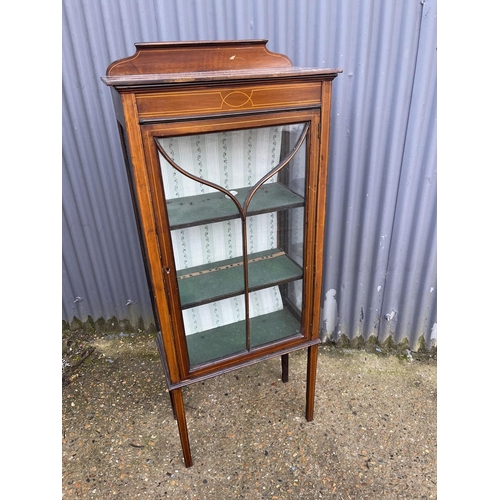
column 219, row 211
column 281, row 263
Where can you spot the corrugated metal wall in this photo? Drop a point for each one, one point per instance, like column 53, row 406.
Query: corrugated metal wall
column 380, row 255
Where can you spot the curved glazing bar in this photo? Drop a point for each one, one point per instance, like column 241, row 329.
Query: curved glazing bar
column 282, row 164
column 198, row 179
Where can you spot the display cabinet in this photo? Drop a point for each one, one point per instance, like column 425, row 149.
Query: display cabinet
column 226, row 148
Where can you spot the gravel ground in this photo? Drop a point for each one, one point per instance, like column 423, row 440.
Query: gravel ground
column 374, row 434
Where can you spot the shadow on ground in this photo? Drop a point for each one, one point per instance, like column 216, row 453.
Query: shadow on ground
column 373, row 436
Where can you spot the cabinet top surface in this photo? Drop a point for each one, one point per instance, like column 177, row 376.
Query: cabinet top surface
column 164, row 63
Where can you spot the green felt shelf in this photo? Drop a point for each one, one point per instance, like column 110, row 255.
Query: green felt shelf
column 230, row 339
column 197, row 286
column 215, row 207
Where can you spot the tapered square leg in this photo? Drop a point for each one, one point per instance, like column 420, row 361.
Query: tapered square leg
column 178, row 405
column 312, row 363
column 284, row 367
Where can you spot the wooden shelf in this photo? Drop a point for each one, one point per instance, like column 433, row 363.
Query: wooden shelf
column 203, row 284
column 215, row 207
column 231, row 339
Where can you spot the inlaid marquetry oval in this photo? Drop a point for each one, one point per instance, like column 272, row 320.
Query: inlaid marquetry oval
column 237, row 99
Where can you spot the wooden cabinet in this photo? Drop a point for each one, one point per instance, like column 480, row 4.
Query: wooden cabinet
column 226, row 147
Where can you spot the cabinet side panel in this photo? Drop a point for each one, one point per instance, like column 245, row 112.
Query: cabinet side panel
column 149, row 231
column 118, row 107
column 133, row 194
column 321, row 201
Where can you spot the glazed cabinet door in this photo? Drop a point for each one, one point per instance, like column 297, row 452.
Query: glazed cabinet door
column 232, row 208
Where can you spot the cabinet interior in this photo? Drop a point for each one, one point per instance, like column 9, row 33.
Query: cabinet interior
column 235, row 202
